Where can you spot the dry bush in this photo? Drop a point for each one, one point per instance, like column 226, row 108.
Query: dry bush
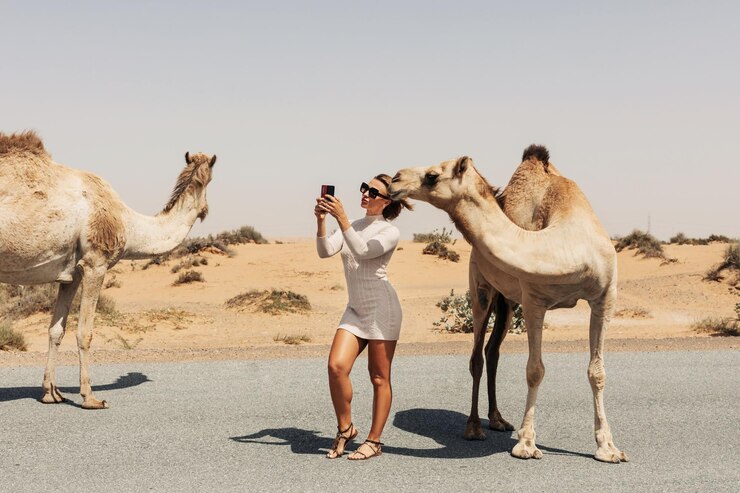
column 188, row 263
column 24, row 301
column 645, row 244
column 440, row 249
column 188, row 277
column 720, row 326
column 730, row 262
column 292, row 340
column 11, row 339
column 443, row 237
column 274, row 301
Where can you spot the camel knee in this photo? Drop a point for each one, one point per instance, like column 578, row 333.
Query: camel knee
column 84, row 341
column 56, row 332
column 596, row 374
column 476, row 365
column 535, row 373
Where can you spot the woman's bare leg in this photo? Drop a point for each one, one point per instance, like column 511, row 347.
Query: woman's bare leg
column 344, row 351
column 380, row 356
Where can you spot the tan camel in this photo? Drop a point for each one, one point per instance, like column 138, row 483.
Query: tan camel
column 569, row 258
column 63, row 225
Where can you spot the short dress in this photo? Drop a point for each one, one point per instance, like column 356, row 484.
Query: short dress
column 373, row 310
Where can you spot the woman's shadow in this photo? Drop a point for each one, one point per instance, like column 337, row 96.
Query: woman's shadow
column 131, row 379
column 444, row 427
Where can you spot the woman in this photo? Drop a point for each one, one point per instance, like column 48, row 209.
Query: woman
column 373, row 315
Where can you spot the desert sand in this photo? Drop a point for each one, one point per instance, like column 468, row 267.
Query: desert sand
column 657, row 304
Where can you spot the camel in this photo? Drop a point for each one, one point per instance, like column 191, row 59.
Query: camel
column 569, row 257
column 59, row 224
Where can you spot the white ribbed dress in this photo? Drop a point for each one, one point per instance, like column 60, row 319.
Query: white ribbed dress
column 373, row 310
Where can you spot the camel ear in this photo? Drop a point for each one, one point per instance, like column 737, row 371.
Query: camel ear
column 461, row 165
column 213, row 161
column 187, row 158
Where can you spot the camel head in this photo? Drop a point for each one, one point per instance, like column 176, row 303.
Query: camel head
column 192, row 182
column 442, row 185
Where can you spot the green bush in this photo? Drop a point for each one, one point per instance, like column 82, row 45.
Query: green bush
column 441, row 237
column 730, row 262
column 458, row 315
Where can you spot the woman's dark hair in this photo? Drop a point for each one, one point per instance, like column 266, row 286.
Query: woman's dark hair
column 392, row 210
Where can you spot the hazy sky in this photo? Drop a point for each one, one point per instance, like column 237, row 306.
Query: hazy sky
column 638, row 102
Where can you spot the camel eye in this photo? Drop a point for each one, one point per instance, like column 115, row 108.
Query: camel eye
column 430, row 179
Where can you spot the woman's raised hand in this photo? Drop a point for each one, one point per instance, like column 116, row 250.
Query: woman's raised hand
column 318, row 210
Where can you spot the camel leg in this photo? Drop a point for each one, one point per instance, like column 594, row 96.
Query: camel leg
column 500, row 327
column 57, row 328
column 481, row 298
column 92, row 282
column 606, row 451
column 534, row 317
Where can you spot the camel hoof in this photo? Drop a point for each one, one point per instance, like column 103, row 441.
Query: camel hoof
column 474, row 431
column 526, row 450
column 500, row 424
column 52, row 398
column 611, row 455
column 94, row 404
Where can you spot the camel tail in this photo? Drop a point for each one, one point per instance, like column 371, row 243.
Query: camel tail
column 537, row 152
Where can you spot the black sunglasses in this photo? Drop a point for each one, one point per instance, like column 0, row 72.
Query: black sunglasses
column 372, row 191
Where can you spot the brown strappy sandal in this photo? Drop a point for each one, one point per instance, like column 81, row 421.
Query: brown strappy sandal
column 373, row 445
column 342, row 439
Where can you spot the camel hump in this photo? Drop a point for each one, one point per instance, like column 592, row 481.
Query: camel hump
column 24, row 142
column 538, row 152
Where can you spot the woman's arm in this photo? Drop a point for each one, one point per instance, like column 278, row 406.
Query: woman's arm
column 383, row 242
column 331, row 245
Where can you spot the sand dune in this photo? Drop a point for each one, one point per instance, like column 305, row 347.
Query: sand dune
column 654, row 301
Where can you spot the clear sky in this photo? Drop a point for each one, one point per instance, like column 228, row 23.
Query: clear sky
column 638, row 102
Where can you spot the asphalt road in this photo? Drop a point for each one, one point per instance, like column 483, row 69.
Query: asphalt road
column 265, row 425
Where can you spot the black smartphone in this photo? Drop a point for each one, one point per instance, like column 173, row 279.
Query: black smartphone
column 327, row 190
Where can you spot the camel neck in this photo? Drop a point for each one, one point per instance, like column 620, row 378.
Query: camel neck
column 149, row 236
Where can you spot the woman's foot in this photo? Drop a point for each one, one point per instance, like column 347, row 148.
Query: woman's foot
column 341, row 440
column 367, row 450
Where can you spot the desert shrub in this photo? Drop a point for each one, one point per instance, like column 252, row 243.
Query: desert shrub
column 24, row 301
column 440, row 249
column 720, row 326
column 188, row 277
column 10, row 338
column 292, row 340
column 458, row 315
column 188, row 263
column 730, row 262
column 645, row 244
column 720, row 239
column 442, row 237
column 272, row 301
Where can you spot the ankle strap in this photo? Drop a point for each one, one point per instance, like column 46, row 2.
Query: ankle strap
column 377, row 444
column 345, row 431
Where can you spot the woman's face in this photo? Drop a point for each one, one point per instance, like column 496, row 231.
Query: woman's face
column 375, row 205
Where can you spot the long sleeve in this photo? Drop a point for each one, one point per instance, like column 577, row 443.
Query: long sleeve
column 326, row 246
column 376, row 246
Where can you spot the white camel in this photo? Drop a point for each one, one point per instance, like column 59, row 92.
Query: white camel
column 59, row 224
column 570, row 258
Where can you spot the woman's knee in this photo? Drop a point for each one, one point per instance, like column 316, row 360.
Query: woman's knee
column 379, row 379
column 338, row 369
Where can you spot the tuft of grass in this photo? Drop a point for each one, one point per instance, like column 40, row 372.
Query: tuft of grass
column 188, row 277
column 458, row 315
column 634, row 312
column 188, row 263
column 11, row 339
column 292, row 340
column 274, row 301
column 720, row 326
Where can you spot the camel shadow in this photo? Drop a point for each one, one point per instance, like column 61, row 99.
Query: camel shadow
column 131, row 379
